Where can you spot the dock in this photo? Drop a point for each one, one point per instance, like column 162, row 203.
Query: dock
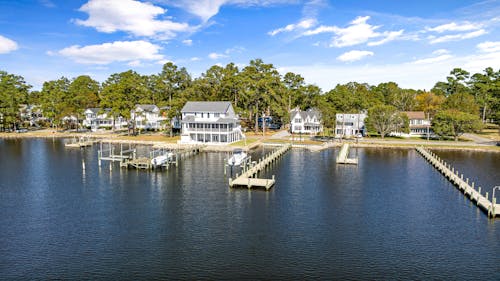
column 79, row 142
column 343, row 157
column 248, row 176
column 482, row 201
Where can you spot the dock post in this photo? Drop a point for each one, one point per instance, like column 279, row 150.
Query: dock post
column 110, row 166
column 225, row 167
column 83, row 165
column 230, row 182
column 472, row 185
column 99, row 155
column 487, row 195
column 479, row 190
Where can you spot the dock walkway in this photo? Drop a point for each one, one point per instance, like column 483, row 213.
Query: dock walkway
column 248, row 177
column 482, row 201
column 342, row 158
column 80, row 142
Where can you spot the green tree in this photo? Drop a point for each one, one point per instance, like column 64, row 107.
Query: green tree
column 13, row 92
column 462, row 102
column 454, row 123
column 83, row 92
column 54, row 97
column 385, row 119
column 484, row 87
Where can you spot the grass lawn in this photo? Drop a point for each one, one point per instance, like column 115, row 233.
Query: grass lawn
column 242, row 142
column 150, row 138
column 492, row 134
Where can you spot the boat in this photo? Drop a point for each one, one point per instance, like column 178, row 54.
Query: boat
column 239, row 156
column 162, row 159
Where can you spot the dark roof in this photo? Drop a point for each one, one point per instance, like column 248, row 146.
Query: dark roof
column 206, row 106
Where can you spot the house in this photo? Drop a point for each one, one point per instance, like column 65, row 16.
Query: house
column 95, row 118
column 350, row 125
column 210, row 122
column 147, row 117
column 420, row 126
column 305, row 122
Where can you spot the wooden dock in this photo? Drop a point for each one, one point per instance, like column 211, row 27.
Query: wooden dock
column 145, row 162
column 343, row 157
column 482, row 201
column 248, row 176
column 80, row 142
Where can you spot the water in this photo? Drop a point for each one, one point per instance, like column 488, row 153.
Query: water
column 391, row 217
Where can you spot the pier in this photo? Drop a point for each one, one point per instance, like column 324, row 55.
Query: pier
column 79, row 142
column 248, row 176
column 475, row 196
column 127, row 156
column 343, row 157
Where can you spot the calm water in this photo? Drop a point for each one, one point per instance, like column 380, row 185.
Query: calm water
column 391, row 217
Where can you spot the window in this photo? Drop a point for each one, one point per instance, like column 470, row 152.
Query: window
column 216, row 114
column 297, row 120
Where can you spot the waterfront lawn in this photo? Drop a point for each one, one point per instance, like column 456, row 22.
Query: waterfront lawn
column 242, row 142
column 148, row 137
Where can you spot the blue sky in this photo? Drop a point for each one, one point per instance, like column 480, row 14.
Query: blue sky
column 413, row 43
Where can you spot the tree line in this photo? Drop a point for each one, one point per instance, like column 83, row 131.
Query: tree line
column 258, row 89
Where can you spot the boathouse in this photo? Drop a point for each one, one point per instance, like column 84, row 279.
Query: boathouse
column 212, row 122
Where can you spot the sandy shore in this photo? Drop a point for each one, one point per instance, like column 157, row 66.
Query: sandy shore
column 160, row 140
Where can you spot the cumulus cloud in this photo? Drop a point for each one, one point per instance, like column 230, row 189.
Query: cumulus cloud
column 119, row 51
column 303, row 24
column 135, row 17
column 456, row 37
column 7, row 45
column 354, row 55
column 489, row 47
column 205, row 9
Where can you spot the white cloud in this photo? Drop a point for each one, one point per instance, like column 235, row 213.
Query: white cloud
column 456, row 37
column 131, row 16
column 187, row 42
column 440, row 52
column 354, row 55
column 489, row 47
column 358, row 32
column 389, row 36
column 407, row 75
column 215, row 56
column 452, row 26
column 303, row 24
column 433, row 59
column 119, row 51
column 195, row 59
column 7, row 45
column 205, row 9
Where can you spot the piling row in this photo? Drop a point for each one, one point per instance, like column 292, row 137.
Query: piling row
column 482, row 201
column 248, row 176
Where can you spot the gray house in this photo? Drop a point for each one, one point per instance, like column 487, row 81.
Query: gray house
column 350, row 124
column 210, row 122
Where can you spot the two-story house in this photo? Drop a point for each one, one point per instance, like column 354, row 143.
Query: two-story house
column 420, row 126
column 305, row 122
column 210, row 122
column 350, row 125
column 95, row 119
column 147, row 117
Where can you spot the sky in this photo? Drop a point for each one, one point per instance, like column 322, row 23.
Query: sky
column 412, row 43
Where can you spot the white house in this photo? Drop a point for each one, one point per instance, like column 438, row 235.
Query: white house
column 95, row 118
column 420, row 126
column 147, row 117
column 210, row 122
column 305, row 122
column 350, row 124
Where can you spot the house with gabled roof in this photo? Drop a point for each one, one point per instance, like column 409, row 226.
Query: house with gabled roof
column 350, row 125
column 147, row 117
column 97, row 118
column 419, row 125
column 305, row 122
column 213, row 122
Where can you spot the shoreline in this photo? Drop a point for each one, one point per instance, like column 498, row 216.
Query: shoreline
column 383, row 144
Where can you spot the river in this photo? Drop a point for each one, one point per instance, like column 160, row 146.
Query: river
column 391, row 217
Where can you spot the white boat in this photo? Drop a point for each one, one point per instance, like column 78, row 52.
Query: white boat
column 162, row 159
column 238, row 157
